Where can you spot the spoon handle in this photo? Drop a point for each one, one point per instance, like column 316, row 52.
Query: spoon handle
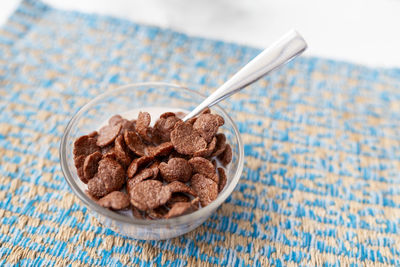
column 288, row 47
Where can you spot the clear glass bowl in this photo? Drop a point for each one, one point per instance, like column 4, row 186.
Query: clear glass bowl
column 141, row 96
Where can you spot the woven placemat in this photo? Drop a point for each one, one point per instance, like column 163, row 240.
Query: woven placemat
column 321, row 182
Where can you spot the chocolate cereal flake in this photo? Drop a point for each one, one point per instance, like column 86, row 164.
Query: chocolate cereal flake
column 114, row 120
column 161, row 150
column 155, row 169
column 164, row 126
column 220, row 146
column 127, row 125
column 144, row 174
column 211, row 146
column 142, row 125
column 177, row 197
column 222, row 179
column 185, row 140
column 149, row 194
column 167, row 114
column 206, row 189
column 177, row 169
column 90, row 166
column 207, row 125
column 138, row 163
column 112, row 174
column 139, row 177
column 96, row 187
column 178, row 209
column 115, row 200
column 204, row 167
column 79, row 161
column 122, row 152
column 135, row 144
column 85, row 146
column 226, row 156
column 208, row 151
column 107, row 134
column 178, row 187
column 110, row 177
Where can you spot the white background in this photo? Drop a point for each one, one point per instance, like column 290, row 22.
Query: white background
column 361, row 31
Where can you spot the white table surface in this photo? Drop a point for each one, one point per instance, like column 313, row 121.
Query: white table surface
column 360, row 31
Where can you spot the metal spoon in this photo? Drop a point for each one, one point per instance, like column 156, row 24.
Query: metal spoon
column 281, row 52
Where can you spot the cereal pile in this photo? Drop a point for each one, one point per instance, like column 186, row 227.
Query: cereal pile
column 159, row 172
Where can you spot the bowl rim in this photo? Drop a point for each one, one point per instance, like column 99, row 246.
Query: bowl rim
column 68, row 175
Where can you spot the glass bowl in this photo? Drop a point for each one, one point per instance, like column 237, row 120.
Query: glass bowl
column 141, row 96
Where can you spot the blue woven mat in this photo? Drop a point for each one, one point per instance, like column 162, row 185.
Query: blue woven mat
column 321, row 184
